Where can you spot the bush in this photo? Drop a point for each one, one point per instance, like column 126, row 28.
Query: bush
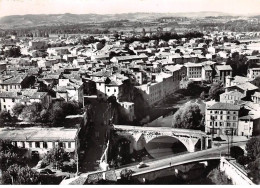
column 236, row 151
column 69, row 167
column 243, row 160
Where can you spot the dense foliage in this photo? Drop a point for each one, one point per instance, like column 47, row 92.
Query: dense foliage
column 215, row 90
column 253, row 154
column 18, row 175
column 188, row 117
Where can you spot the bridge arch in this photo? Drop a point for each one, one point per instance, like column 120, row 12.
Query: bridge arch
column 165, row 145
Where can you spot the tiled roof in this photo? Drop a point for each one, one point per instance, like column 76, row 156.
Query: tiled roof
column 9, row 94
column 234, row 93
column 247, row 86
column 223, row 67
column 256, row 94
column 38, row 134
column 224, row 106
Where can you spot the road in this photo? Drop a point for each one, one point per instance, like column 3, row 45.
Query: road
column 178, row 160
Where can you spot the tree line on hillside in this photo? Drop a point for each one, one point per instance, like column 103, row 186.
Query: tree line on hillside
column 164, row 36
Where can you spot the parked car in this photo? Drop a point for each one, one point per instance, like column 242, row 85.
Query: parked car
column 142, row 165
column 46, row 171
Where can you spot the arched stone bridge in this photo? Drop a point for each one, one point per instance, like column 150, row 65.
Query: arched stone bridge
column 140, row 136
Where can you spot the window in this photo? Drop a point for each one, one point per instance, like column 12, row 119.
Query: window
column 4, row 100
column 45, row 145
column 220, row 124
column 234, row 124
column 228, row 124
column 10, row 86
column 13, row 100
column 227, row 117
column 107, row 90
column 37, row 144
column 114, row 90
column 234, row 118
column 53, row 144
column 216, row 112
column 211, row 112
column 99, row 84
column 221, row 117
column 228, row 112
column 69, row 144
column 221, row 112
column 30, row 144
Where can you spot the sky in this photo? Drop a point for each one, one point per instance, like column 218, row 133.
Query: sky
column 21, row 7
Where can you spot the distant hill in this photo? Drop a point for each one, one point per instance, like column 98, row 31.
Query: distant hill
column 61, row 19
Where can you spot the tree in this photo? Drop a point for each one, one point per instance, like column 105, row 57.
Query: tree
column 18, row 175
column 126, row 174
column 57, row 156
column 255, row 52
column 188, row 117
column 254, row 170
column 253, row 148
column 243, row 160
column 203, row 95
column 6, row 146
column 236, row 151
column 31, row 112
column 13, row 52
column 18, row 108
column 215, row 90
column 5, row 117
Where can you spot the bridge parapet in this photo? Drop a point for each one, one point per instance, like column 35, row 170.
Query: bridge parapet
column 188, row 137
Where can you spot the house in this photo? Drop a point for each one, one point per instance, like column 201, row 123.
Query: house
column 152, row 92
column 8, row 100
column 34, row 96
column 14, row 83
column 194, row 71
column 245, row 126
column 222, row 71
column 231, row 97
column 38, row 45
column 178, row 73
column 253, row 72
column 42, row 140
column 222, row 118
column 256, row 97
column 70, row 90
column 246, row 88
column 121, row 59
column 55, row 51
column 232, row 81
column 207, row 73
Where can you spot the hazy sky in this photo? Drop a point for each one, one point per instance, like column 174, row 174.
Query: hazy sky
column 15, row 7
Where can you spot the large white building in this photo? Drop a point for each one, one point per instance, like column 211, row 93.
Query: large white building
column 194, row 71
column 41, row 140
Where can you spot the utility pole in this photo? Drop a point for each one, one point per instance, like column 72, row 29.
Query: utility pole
column 212, row 130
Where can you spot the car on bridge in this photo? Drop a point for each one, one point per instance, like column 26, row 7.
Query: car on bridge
column 142, row 165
